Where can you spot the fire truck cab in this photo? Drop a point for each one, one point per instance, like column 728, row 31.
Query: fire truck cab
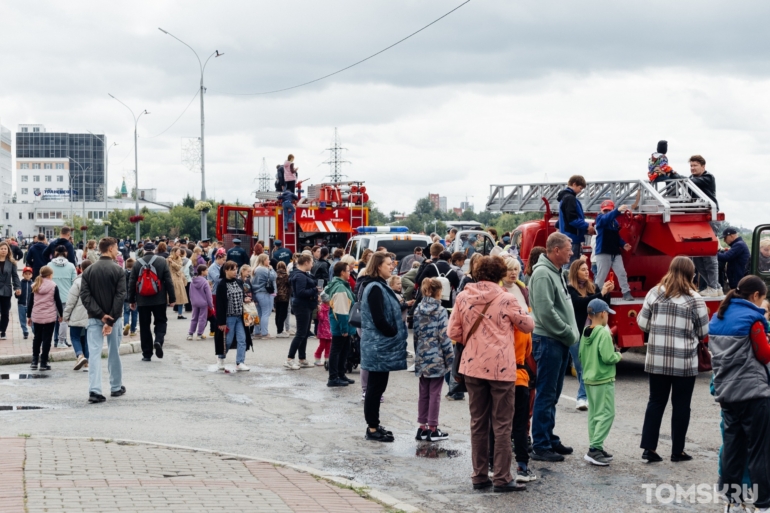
column 667, row 220
column 326, row 215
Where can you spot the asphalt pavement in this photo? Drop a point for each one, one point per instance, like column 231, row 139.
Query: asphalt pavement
column 291, row 416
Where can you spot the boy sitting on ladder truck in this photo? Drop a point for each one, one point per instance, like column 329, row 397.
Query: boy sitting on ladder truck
column 609, row 246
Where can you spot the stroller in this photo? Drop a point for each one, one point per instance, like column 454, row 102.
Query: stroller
column 354, row 355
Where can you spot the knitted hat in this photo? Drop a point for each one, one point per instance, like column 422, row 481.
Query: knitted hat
column 662, row 147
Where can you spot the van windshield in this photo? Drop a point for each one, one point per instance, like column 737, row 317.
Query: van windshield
column 401, row 248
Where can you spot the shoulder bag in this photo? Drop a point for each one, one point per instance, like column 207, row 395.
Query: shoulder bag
column 460, row 347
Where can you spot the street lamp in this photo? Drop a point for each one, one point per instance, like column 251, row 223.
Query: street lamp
column 82, row 194
column 203, row 153
column 136, row 162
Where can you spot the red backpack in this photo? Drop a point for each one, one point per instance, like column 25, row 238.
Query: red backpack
column 148, row 283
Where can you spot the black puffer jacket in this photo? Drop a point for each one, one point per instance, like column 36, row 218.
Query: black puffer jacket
column 304, row 289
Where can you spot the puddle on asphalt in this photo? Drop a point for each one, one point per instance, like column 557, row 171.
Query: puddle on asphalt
column 6, row 407
column 433, row 451
column 23, row 376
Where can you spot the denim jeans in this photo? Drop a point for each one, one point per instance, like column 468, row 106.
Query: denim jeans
column 573, row 351
column 22, row 309
column 551, row 358
column 264, row 307
column 132, row 315
column 235, row 329
column 79, row 340
column 576, row 252
column 95, row 342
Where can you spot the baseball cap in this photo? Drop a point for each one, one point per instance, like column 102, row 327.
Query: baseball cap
column 607, row 205
column 220, row 252
column 277, row 243
column 729, row 231
column 26, row 270
column 149, row 246
column 597, row 306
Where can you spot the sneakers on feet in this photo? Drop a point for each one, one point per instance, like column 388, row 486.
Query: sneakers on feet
column 93, row 397
column 680, row 457
column 379, row 435
column 336, row 383
column 220, row 364
column 118, row 393
column 513, row 486
column 437, row 435
column 80, row 363
column 350, row 381
column 133, row 334
column 318, row 363
column 242, row 367
column 26, row 336
column 596, row 457
column 546, row 456
column 582, row 405
column 455, row 397
column 607, row 455
column 651, row 456
column 283, row 335
column 189, row 337
column 33, row 365
column 2, row 336
column 525, row 475
column 211, row 334
column 304, row 364
column 289, row 364
column 627, row 296
column 201, row 337
column 561, row 449
column 363, row 395
column 422, row 434
column 126, row 329
column 44, row 366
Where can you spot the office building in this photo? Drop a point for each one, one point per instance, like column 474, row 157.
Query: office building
column 58, row 165
column 442, row 203
column 6, row 162
column 465, row 205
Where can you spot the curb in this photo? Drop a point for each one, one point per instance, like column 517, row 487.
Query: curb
column 378, row 496
column 64, row 356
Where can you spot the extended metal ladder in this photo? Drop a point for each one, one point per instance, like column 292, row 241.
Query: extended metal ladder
column 667, row 198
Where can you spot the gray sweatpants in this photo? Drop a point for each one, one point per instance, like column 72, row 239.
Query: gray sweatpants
column 603, row 265
column 708, row 268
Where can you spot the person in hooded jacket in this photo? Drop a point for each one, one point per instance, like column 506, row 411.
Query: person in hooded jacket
column 488, row 364
column 34, row 257
column 64, row 274
column 76, row 317
column 740, row 358
column 22, row 299
column 63, row 240
column 44, row 309
column 383, row 340
column 201, row 300
column 572, row 222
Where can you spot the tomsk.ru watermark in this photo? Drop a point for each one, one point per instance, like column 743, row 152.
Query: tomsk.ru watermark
column 704, row 493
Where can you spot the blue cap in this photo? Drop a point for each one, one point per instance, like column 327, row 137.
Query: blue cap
column 597, row 306
column 277, row 243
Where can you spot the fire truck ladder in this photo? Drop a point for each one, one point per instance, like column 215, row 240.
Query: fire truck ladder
column 667, row 198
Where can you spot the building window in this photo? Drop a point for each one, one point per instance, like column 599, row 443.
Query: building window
column 60, row 166
column 59, row 178
column 25, row 165
column 36, row 178
column 47, row 178
column 20, row 217
column 24, row 129
column 24, row 191
column 24, row 178
column 47, row 165
column 35, row 165
column 35, row 128
column 31, row 216
column 6, row 215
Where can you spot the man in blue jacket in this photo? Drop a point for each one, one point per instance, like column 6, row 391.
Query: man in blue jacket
column 63, row 240
column 35, row 258
column 572, row 222
column 609, row 247
column 736, row 258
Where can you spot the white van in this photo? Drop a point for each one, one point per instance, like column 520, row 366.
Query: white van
column 470, row 242
column 395, row 239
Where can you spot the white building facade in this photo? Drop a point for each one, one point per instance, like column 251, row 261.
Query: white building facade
column 6, row 165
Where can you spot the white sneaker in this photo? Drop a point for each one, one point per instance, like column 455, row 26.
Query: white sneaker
column 289, row 364
column 709, row 292
column 319, row 363
column 220, row 364
column 292, row 332
column 363, row 396
column 189, row 337
column 581, row 405
column 305, row 364
column 242, row 367
column 283, row 335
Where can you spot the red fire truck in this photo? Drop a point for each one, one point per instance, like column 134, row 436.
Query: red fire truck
column 667, row 220
column 327, row 214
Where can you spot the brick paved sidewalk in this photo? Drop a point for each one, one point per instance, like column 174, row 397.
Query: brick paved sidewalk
column 78, row 475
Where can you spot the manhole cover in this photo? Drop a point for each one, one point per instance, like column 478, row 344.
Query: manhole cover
column 6, row 407
column 23, row 376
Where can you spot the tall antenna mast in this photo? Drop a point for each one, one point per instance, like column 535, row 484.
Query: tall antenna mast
column 335, row 159
column 264, row 178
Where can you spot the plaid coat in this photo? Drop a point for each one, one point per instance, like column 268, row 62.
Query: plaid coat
column 676, row 325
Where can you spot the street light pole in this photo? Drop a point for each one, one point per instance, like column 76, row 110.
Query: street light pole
column 204, row 228
column 136, row 163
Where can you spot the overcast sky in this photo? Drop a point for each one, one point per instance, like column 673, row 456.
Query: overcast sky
column 501, row 91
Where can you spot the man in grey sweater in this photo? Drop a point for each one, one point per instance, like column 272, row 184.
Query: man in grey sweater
column 102, row 292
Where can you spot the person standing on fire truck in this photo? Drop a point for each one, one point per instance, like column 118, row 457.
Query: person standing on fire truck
column 707, row 266
column 290, row 173
column 572, row 222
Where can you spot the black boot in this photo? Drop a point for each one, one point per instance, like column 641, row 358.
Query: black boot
column 44, row 365
column 33, row 365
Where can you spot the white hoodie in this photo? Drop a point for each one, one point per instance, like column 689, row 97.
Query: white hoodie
column 64, row 275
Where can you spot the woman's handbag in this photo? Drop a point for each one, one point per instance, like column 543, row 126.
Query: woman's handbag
column 354, row 316
column 460, row 347
column 250, row 314
column 704, row 358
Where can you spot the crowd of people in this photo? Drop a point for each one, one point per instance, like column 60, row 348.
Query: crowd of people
column 500, row 331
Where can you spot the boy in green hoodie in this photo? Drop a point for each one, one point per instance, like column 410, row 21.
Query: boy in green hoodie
column 598, row 356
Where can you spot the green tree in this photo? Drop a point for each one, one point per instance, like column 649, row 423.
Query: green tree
column 376, row 217
column 188, row 201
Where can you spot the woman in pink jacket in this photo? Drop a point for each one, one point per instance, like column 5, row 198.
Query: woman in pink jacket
column 43, row 310
column 488, row 364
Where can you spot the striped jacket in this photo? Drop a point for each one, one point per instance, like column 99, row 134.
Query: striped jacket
column 676, row 325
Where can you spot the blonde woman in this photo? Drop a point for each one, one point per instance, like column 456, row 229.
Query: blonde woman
column 176, row 266
column 91, row 252
column 264, row 287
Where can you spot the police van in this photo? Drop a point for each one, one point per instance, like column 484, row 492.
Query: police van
column 395, row 239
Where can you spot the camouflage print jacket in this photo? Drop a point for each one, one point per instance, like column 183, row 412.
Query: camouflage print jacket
column 433, row 354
